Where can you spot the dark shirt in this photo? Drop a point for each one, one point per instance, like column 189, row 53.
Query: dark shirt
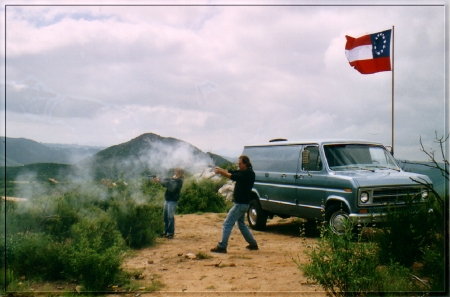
column 244, row 183
column 173, row 188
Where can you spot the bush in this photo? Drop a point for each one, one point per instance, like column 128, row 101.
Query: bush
column 155, row 191
column 79, row 232
column 94, row 253
column 345, row 265
column 139, row 224
column 201, row 196
column 408, row 230
column 341, row 265
column 34, row 255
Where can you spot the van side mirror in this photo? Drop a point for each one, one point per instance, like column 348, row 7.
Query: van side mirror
column 305, row 157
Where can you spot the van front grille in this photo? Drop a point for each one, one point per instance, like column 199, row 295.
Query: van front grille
column 395, row 195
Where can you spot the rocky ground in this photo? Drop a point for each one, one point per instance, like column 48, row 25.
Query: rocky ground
column 184, row 265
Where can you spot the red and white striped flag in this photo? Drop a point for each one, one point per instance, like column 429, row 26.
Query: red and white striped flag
column 369, row 53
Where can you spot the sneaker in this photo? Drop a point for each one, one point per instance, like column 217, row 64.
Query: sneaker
column 218, row 249
column 252, row 247
column 163, row 234
column 168, row 236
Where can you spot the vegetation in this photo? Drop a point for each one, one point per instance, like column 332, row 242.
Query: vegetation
column 201, row 196
column 83, row 231
column 344, row 266
column 405, row 254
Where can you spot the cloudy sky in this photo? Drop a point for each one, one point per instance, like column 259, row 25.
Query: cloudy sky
column 219, row 76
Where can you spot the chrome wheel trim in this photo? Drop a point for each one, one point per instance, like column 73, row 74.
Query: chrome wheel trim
column 337, row 222
column 253, row 215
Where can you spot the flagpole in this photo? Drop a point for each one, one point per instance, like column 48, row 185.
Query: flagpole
column 392, row 147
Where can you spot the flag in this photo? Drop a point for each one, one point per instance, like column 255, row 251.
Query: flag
column 369, row 53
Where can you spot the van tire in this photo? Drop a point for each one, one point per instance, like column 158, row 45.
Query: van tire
column 256, row 216
column 335, row 215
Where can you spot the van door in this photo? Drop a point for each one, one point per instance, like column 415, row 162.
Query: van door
column 280, row 177
column 311, row 184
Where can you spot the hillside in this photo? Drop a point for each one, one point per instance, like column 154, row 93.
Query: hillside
column 22, row 151
column 148, row 154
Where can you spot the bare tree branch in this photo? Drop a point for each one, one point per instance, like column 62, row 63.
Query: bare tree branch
column 429, row 187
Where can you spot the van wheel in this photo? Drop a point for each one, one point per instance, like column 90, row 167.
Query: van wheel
column 336, row 217
column 257, row 218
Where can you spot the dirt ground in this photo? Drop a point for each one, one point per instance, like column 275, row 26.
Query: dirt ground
column 269, row 271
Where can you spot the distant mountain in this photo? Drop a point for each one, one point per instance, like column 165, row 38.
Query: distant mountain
column 22, row 151
column 148, row 154
column 219, row 160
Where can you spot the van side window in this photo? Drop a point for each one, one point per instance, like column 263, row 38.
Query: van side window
column 315, row 162
column 286, row 158
column 283, row 158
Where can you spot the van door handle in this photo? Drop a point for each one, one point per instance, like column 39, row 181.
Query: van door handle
column 283, row 175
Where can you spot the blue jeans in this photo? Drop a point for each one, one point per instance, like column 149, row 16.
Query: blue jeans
column 236, row 214
column 169, row 217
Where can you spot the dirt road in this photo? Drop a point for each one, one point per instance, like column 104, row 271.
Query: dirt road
column 186, row 267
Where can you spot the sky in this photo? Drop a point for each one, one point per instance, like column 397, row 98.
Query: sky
column 221, row 76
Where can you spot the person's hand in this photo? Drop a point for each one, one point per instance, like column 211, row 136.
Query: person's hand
column 156, row 179
column 217, row 170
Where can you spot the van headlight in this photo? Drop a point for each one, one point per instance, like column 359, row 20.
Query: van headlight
column 425, row 194
column 364, row 197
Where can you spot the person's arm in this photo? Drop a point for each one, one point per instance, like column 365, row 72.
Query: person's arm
column 221, row 171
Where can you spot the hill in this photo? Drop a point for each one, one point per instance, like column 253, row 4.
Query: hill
column 22, row 151
column 148, row 154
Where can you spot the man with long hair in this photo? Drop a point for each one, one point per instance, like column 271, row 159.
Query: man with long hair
column 244, row 178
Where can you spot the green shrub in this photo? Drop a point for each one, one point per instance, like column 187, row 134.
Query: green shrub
column 6, row 277
column 139, row 224
column 34, row 255
column 201, row 196
column 155, row 191
column 94, row 253
column 340, row 264
column 408, row 230
column 394, row 280
column 345, row 265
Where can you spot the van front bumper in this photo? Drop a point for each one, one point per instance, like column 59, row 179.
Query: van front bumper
column 367, row 218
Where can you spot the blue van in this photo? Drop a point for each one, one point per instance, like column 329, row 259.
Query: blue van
column 354, row 180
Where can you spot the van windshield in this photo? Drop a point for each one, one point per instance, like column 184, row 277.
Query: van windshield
column 359, row 157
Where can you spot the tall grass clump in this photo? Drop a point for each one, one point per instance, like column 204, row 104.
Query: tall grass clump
column 201, row 196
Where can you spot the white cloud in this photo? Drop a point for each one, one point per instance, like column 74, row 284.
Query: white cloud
column 220, row 77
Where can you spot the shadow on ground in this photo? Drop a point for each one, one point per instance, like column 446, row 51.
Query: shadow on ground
column 292, row 227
